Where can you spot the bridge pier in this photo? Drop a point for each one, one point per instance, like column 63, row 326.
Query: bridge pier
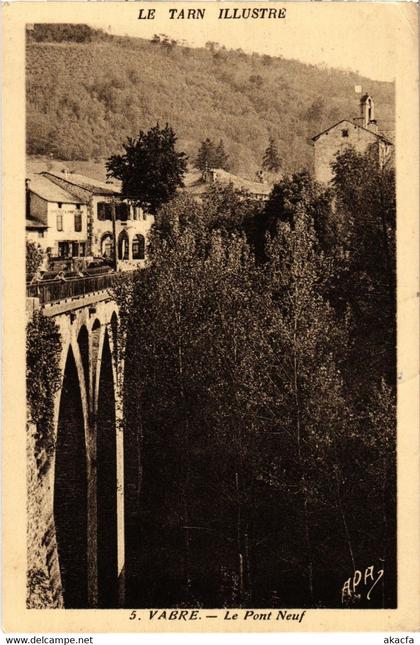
column 120, row 493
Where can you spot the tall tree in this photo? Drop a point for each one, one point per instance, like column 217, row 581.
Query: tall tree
column 307, row 396
column 206, row 155
column 222, row 159
column 150, row 169
column 365, row 204
column 271, row 159
column 212, row 156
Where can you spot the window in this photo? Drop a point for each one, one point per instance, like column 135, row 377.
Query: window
column 82, row 249
column 59, row 204
column 59, row 222
column 40, row 233
column 122, row 212
column 101, row 211
column 344, row 133
column 75, row 249
column 104, row 211
column 138, row 247
column 140, row 212
column 77, row 222
column 78, row 207
column 63, row 249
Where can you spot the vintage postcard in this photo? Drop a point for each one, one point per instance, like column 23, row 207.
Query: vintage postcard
column 210, row 288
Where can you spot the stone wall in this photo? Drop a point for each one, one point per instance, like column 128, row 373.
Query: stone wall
column 335, row 140
column 43, row 581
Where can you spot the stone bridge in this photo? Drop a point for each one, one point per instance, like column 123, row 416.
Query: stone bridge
column 76, row 510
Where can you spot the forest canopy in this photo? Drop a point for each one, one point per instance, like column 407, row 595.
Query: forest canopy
column 261, row 387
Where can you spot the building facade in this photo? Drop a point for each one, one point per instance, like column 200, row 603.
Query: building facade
column 55, row 218
column 81, row 216
column 360, row 133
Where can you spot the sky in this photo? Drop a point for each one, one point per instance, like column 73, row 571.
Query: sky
column 356, row 36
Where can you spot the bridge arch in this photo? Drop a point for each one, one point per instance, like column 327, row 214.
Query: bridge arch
column 95, row 347
column 70, row 506
column 83, row 343
column 114, row 324
column 106, row 450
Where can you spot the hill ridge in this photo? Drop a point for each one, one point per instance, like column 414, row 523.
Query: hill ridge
column 85, row 98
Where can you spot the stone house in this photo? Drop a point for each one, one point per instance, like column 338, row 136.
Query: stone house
column 55, row 218
column 197, row 183
column 132, row 224
column 361, row 133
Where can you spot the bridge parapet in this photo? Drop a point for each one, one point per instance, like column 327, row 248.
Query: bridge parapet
column 61, row 289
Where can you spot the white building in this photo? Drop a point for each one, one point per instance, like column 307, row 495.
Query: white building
column 132, row 224
column 55, row 218
column 72, row 215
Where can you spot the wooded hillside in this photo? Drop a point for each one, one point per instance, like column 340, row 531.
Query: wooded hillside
column 87, row 91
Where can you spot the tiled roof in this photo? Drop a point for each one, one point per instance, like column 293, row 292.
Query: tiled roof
column 50, row 191
column 195, row 185
column 356, row 125
column 92, row 186
column 33, row 223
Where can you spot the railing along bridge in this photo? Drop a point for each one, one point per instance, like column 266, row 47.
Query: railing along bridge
column 48, row 291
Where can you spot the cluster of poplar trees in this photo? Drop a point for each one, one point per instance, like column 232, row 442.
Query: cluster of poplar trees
column 260, row 396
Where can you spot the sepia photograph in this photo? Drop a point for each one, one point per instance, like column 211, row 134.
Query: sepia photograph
column 210, row 312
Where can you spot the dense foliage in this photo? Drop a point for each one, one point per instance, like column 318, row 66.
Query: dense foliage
column 63, row 33
column 150, row 169
column 34, row 257
column 365, row 201
column 260, row 397
column 271, row 159
column 85, row 98
column 43, row 378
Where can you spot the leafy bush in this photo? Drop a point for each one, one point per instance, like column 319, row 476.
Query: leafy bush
column 34, row 257
column 43, row 379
